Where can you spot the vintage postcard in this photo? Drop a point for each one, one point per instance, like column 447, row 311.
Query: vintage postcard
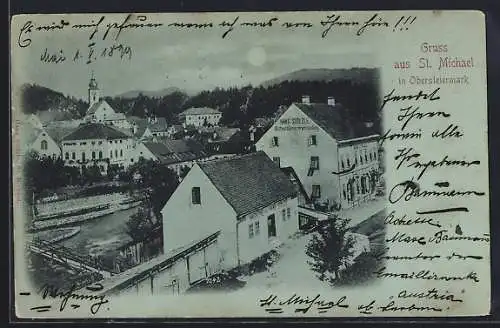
column 273, row 164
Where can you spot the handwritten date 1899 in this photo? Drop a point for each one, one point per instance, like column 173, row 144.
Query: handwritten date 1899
column 90, row 55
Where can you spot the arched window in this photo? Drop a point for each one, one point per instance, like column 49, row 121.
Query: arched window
column 44, row 145
column 73, row 155
column 371, row 157
column 343, row 166
column 121, row 153
column 100, row 154
column 110, row 154
column 66, row 156
column 344, row 192
column 116, row 153
column 83, row 156
column 93, row 155
column 348, row 163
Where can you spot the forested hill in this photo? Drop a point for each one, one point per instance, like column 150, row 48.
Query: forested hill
column 36, row 98
column 357, row 74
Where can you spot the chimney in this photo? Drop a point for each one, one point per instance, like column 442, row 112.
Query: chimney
column 306, row 99
column 331, row 101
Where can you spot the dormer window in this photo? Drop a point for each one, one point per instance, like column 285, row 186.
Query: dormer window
column 196, row 195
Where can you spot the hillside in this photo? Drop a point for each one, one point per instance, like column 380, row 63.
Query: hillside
column 152, row 94
column 361, row 75
column 35, row 98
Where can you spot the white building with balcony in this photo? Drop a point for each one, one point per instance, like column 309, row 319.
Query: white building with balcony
column 335, row 157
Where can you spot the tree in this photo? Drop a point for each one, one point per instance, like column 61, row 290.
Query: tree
column 329, row 249
column 156, row 180
column 140, row 224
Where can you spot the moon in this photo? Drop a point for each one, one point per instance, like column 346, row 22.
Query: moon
column 257, row 56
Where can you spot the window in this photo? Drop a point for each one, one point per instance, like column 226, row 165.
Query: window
column 315, row 162
column 342, row 163
column 66, row 156
column 312, row 140
column 371, row 157
column 283, row 214
column 361, row 159
column 348, row 163
column 93, row 142
column 102, row 168
column 250, row 231
column 100, row 154
column 93, row 155
column 316, row 191
column 116, row 153
column 344, row 193
column 257, row 228
column 44, row 145
column 121, row 141
column 288, row 213
column 83, row 156
column 121, row 153
column 100, row 142
column 110, row 154
column 73, row 155
column 277, row 160
column 196, row 195
column 275, row 142
column 366, row 157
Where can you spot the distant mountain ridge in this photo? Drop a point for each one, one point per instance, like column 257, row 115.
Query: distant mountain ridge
column 153, row 94
column 325, row 74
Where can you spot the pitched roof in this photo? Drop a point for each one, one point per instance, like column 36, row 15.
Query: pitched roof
column 249, row 182
column 223, row 133
column 336, row 120
column 57, row 131
column 159, row 126
column 28, row 133
column 92, row 109
column 175, row 151
column 95, row 131
column 200, row 111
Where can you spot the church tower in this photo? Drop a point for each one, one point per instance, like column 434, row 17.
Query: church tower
column 94, row 95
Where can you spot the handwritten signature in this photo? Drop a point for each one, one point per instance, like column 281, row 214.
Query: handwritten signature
column 51, row 291
column 302, row 304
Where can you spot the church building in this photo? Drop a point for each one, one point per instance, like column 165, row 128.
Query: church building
column 100, row 111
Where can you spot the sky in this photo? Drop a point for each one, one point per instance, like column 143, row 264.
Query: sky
column 189, row 60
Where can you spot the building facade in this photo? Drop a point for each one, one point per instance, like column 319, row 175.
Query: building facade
column 247, row 199
column 201, row 116
column 97, row 144
column 336, row 159
column 46, row 146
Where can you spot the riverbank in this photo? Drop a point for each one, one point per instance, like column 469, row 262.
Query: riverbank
column 57, row 235
column 46, row 224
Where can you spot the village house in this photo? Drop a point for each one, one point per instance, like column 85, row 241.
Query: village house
column 145, row 128
column 100, row 111
column 46, row 141
column 99, row 144
column 335, row 158
column 178, row 155
column 247, row 198
column 200, row 116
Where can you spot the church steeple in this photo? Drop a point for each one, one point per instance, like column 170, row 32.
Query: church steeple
column 94, row 95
